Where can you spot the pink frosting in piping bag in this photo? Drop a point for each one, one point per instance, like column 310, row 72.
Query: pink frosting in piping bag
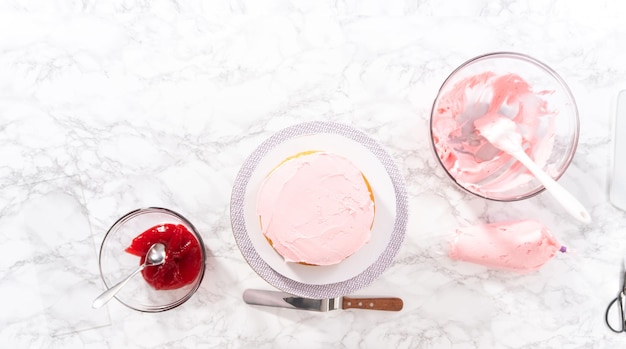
column 470, row 158
column 316, row 209
column 521, row 246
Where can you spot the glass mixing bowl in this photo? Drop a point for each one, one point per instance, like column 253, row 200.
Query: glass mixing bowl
column 115, row 263
column 515, row 86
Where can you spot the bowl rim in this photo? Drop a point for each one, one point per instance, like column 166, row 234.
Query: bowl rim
column 154, row 209
column 528, row 59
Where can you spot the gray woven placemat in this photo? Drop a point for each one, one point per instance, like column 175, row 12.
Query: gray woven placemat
column 295, row 287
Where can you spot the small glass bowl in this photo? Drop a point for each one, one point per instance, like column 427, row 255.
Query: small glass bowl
column 115, row 263
column 467, row 94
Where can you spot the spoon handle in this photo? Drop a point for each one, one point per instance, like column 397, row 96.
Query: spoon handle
column 106, row 296
column 565, row 198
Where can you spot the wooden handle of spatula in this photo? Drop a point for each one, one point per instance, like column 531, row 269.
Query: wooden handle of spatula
column 390, row 304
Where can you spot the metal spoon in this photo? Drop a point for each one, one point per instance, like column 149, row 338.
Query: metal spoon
column 502, row 133
column 155, row 256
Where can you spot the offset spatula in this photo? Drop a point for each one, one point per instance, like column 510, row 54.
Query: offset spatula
column 285, row 300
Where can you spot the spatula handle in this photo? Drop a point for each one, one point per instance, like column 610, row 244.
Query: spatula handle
column 565, row 198
column 390, row 304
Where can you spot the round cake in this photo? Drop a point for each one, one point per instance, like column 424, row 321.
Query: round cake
column 316, row 208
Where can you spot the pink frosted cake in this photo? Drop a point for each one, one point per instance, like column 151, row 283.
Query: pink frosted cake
column 316, row 208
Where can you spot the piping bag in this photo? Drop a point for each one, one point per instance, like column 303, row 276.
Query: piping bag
column 520, row 246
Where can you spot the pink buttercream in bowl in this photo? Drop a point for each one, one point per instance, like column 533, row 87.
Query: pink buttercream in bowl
column 514, row 86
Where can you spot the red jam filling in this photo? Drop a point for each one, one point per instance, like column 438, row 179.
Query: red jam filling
column 183, row 256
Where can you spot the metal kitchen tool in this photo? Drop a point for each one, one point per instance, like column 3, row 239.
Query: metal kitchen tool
column 617, row 189
column 285, row 300
column 154, row 257
column 618, row 325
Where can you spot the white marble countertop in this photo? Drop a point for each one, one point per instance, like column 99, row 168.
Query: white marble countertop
column 106, row 106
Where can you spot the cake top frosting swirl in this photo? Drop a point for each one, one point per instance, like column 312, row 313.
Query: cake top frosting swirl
column 316, row 208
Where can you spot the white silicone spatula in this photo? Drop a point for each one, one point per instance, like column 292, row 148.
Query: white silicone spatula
column 502, row 133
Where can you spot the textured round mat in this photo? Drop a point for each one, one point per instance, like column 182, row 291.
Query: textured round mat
column 294, row 287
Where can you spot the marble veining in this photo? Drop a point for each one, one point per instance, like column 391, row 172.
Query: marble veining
column 106, row 106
